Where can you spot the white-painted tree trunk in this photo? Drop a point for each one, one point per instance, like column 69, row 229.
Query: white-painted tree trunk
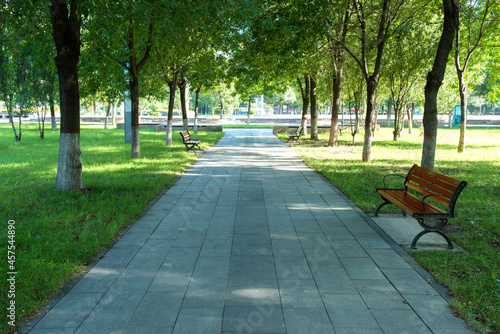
column 69, row 168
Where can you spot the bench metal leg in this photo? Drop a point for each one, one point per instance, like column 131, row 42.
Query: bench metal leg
column 413, row 243
column 191, row 148
column 381, row 205
column 385, row 203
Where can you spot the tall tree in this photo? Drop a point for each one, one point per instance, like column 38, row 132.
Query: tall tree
column 408, row 54
column 477, row 20
column 124, row 32
column 66, row 22
column 435, row 79
column 371, row 65
column 336, row 40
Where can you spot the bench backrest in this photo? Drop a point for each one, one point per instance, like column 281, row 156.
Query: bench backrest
column 185, row 135
column 428, row 182
column 299, row 131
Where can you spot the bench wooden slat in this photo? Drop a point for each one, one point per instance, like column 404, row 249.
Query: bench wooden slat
column 438, row 175
column 408, row 202
column 440, row 182
column 429, row 189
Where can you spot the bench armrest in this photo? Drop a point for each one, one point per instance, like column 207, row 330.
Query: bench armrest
column 396, row 175
column 427, row 196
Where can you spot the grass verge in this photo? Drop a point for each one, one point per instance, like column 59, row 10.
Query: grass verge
column 472, row 277
column 57, row 233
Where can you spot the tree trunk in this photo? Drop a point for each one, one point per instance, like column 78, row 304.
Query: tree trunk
column 434, row 81
column 374, row 121
column 397, row 119
column 173, row 86
column 371, row 87
column 53, row 121
column 113, row 113
column 337, row 87
column 66, row 34
column 182, row 90
column 389, row 112
column 134, row 69
column 94, row 105
column 314, row 111
column 41, row 123
column 196, row 103
column 410, row 118
column 11, row 121
column 463, row 111
column 249, row 109
column 134, row 98
column 107, row 115
column 305, row 102
column 221, row 106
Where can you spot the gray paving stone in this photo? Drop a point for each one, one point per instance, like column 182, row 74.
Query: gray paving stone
column 313, row 321
column 143, row 266
column 211, row 267
column 301, row 294
column 263, row 319
column 349, row 248
column 96, row 281
column 435, row 312
column 157, row 310
column 408, row 281
column 348, row 310
column 361, row 267
column 358, row 330
column 292, row 268
column 216, row 247
column 205, row 293
column 68, row 330
column 70, row 312
column 400, row 322
column 156, row 247
column 380, row 295
column 287, row 248
column 387, row 259
column 333, row 280
column 199, row 320
column 253, row 295
column 139, row 329
column 105, row 320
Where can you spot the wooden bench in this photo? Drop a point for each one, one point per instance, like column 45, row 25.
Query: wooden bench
column 189, row 142
column 295, row 136
column 426, row 184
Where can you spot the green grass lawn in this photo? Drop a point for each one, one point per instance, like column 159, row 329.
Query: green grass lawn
column 57, row 233
column 472, row 277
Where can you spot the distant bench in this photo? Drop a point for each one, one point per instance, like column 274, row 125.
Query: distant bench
column 429, row 184
column 189, row 142
column 295, row 136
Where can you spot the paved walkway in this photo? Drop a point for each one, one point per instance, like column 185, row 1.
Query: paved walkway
column 251, row 240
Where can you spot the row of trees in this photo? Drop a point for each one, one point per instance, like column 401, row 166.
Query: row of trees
column 399, row 42
column 339, row 49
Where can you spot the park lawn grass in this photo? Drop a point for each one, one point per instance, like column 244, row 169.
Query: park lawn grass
column 472, row 277
column 58, row 233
